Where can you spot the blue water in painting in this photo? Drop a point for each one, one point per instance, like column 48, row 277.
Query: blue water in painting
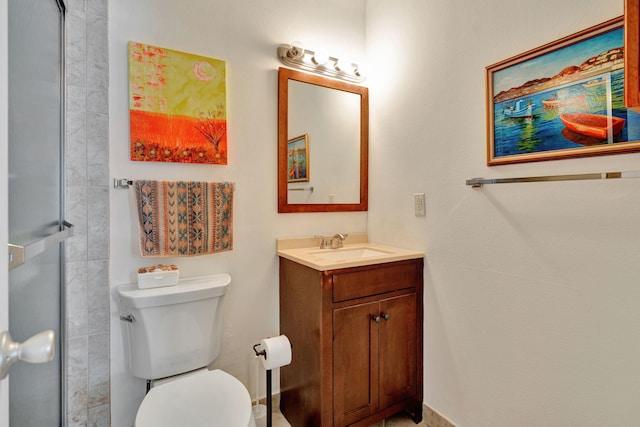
column 545, row 131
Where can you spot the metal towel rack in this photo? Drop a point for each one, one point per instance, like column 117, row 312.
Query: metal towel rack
column 479, row 182
column 124, row 183
column 18, row 254
column 302, row 189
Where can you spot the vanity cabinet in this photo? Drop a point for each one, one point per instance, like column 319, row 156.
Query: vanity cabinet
column 357, row 343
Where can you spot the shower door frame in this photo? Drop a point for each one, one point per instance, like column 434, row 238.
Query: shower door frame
column 4, row 195
column 4, row 202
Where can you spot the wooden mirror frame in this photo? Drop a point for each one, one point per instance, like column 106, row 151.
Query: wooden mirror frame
column 286, row 74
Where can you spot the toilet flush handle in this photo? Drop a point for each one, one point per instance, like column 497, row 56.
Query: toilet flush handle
column 128, row 318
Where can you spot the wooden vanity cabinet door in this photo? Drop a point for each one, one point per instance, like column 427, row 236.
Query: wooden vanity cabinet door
column 374, row 362
column 355, row 363
column 397, row 350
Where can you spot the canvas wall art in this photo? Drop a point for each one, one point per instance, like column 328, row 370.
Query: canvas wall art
column 177, row 106
column 298, row 159
column 562, row 100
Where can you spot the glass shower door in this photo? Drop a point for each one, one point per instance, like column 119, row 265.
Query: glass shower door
column 36, row 107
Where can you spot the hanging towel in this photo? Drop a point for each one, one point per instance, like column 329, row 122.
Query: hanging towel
column 182, row 218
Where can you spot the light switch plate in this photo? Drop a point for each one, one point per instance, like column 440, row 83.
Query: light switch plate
column 419, row 204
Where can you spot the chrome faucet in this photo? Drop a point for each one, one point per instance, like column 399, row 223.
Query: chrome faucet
column 324, row 242
column 334, row 242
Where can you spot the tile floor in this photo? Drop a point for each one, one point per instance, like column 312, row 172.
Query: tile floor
column 400, row 420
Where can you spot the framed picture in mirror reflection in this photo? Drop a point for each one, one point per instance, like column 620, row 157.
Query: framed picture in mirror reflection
column 298, row 159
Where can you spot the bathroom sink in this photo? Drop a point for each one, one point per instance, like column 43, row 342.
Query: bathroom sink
column 348, row 254
column 357, row 251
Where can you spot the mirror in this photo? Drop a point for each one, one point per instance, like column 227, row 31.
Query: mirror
column 323, row 137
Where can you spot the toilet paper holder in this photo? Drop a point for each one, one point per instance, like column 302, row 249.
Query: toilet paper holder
column 263, row 353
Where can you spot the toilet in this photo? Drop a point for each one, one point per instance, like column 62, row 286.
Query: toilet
column 172, row 334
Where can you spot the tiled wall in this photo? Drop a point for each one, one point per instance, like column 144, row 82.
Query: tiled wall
column 87, row 192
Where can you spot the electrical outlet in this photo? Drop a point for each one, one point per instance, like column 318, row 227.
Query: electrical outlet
column 419, row 204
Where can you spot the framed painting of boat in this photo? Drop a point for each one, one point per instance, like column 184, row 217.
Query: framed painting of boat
column 562, row 100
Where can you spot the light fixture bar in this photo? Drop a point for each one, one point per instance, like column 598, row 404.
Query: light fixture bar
column 307, row 60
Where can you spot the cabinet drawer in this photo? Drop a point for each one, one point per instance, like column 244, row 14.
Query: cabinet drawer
column 378, row 280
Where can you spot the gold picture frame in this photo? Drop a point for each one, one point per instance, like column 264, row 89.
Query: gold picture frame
column 298, row 159
column 561, row 100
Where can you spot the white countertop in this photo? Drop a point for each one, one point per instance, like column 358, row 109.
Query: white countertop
column 356, row 252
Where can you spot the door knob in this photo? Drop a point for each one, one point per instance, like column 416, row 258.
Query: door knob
column 386, row 316
column 375, row 318
column 40, row 348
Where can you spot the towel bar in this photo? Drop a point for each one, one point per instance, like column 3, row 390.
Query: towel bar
column 123, row 183
column 19, row 254
column 302, row 189
column 479, row 182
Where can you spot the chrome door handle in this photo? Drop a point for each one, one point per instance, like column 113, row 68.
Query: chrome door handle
column 386, row 316
column 18, row 255
column 375, row 318
column 40, row 348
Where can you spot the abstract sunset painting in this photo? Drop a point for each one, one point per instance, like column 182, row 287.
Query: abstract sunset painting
column 177, row 106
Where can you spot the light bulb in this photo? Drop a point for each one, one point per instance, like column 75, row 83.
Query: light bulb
column 344, row 65
column 296, row 51
column 320, row 58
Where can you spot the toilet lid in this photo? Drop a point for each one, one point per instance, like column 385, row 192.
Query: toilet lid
column 212, row 399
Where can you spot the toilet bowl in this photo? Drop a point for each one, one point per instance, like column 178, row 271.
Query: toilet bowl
column 211, row 399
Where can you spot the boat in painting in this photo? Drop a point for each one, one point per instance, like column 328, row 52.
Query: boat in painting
column 519, row 110
column 596, row 125
column 555, row 102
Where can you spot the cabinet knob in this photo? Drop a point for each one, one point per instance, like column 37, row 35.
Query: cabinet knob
column 386, row 316
column 375, row 318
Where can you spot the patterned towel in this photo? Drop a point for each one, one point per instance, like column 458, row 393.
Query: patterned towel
column 181, row 218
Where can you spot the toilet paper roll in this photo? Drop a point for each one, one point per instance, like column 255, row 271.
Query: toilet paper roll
column 277, row 352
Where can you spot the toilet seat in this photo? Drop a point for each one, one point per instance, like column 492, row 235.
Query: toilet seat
column 211, row 399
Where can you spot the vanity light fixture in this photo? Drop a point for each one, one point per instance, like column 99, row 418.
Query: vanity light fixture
column 296, row 56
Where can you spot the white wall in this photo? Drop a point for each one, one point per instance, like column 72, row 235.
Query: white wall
column 245, row 34
column 531, row 315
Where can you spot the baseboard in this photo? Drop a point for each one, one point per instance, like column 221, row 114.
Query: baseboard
column 433, row 419
column 430, row 417
column 275, row 402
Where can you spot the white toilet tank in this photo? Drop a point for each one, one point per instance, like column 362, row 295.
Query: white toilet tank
column 173, row 329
